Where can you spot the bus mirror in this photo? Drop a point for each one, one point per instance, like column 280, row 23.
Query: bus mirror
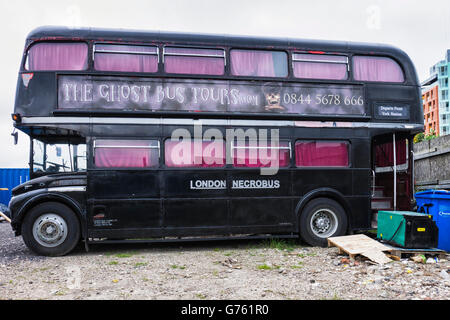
column 15, row 136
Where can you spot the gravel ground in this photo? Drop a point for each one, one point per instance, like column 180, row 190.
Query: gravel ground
column 251, row 270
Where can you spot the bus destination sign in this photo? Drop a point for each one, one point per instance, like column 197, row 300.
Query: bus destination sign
column 391, row 111
column 144, row 94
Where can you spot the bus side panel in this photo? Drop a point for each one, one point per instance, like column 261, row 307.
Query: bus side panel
column 195, row 199
column 261, row 203
column 122, row 199
column 307, row 180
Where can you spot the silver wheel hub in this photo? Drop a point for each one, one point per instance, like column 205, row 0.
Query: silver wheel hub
column 324, row 223
column 50, row 230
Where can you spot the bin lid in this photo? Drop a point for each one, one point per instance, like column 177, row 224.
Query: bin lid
column 433, row 193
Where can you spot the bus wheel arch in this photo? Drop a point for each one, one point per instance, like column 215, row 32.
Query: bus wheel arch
column 320, row 215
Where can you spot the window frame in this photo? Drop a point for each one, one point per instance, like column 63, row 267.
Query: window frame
column 235, row 147
column 347, row 63
column 164, row 54
column 349, row 155
column 31, row 45
column 139, row 53
column 359, row 54
column 287, row 52
column 158, row 146
column 198, row 167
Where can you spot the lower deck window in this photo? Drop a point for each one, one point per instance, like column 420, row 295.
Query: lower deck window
column 126, row 153
column 321, row 154
column 194, row 153
column 254, row 155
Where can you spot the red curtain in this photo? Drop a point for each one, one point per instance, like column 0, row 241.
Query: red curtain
column 126, row 62
column 257, row 158
column 310, row 70
column 321, row 154
column 376, row 69
column 197, row 154
column 125, row 154
column 320, row 70
column 384, row 153
column 186, row 64
column 57, row 56
column 252, row 63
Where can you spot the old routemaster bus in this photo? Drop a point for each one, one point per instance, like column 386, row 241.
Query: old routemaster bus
column 140, row 136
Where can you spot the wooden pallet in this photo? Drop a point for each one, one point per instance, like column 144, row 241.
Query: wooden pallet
column 4, row 217
column 360, row 244
column 397, row 252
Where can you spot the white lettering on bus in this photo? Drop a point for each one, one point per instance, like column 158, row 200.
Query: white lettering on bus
column 208, row 184
column 236, row 184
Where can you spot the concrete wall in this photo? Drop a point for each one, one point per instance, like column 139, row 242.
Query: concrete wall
column 432, row 163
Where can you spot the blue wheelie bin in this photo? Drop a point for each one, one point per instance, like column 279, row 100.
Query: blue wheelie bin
column 437, row 204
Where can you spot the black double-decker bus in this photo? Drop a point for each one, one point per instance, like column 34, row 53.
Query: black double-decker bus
column 140, row 136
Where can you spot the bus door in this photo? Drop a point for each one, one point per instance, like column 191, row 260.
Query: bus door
column 391, row 172
column 124, row 188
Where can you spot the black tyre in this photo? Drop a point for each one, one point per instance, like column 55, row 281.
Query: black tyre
column 320, row 219
column 51, row 229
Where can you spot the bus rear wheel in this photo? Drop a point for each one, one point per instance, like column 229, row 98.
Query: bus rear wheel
column 51, row 229
column 320, row 219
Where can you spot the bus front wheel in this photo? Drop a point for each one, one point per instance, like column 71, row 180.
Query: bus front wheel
column 51, row 229
column 320, row 219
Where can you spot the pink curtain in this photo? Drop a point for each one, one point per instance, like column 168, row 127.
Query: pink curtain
column 194, row 65
column 252, row 63
column 384, row 156
column 57, row 56
column 320, row 70
column 321, row 154
column 257, row 158
column 376, row 69
column 126, row 62
column 194, row 154
column 109, row 154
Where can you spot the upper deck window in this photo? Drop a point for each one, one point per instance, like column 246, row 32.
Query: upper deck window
column 194, row 61
column 319, row 66
column 125, row 58
column 259, row 63
column 49, row 56
column 367, row 68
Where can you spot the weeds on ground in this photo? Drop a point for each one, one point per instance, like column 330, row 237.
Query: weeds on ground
column 267, row 267
column 280, row 244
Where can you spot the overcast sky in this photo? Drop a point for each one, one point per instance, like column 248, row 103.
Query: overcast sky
column 420, row 28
